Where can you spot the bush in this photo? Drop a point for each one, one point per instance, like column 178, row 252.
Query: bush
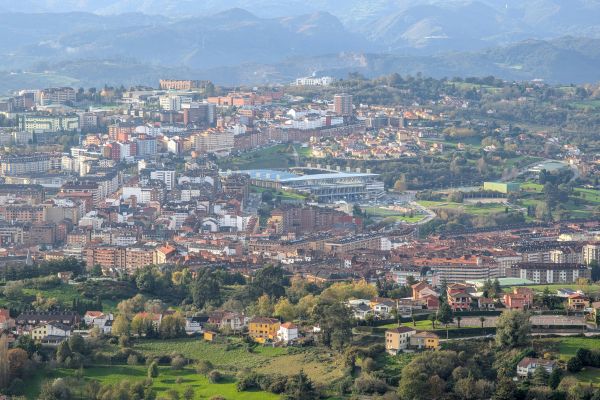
column 178, row 362
column 132, row 360
column 574, row 365
column 367, row 384
column 153, row 370
column 203, row 367
column 247, row 381
column 369, row 365
column 214, row 376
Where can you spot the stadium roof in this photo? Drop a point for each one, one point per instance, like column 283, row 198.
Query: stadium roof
column 285, row 176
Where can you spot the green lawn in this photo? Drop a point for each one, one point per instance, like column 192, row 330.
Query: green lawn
column 63, row 293
column 166, row 380
column 320, row 366
column 425, row 326
column 473, row 209
column 278, row 156
column 284, row 194
column 234, row 357
column 380, row 212
column 589, row 375
column 588, row 289
column 568, row 346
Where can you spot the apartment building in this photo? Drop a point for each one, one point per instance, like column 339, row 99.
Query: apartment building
column 544, row 273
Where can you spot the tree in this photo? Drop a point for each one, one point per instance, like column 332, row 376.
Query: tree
column 141, row 325
column 300, row 387
column 206, row 289
column 540, row 376
column 574, row 365
column 17, row 359
column 188, row 393
column 4, row 362
column 121, row 326
column 76, row 343
column 482, row 320
column 335, row 321
column 63, row 352
column 269, row 280
column 444, row 314
column 432, row 318
column 512, row 329
column 414, row 384
column 153, row 370
column 203, row 367
column 264, row 306
column 555, row 378
column 506, row 389
column 497, row 289
column 172, row 326
column 284, row 309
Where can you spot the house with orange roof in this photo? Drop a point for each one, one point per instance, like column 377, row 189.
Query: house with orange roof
column 521, row 298
column 577, row 302
column 288, row 332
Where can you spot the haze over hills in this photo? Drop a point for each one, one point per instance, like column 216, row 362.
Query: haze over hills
column 136, row 40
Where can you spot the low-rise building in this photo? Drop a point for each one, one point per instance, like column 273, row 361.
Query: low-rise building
column 398, row 339
column 288, row 332
column 263, row 329
column 528, row 365
column 425, row 340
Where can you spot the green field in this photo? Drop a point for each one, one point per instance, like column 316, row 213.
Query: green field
column 273, row 157
column 380, row 212
column 426, row 326
column 321, row 367
column 472, row 209
column 588, row 289
column 234, row 356
column 166, row 380
column 284, row 194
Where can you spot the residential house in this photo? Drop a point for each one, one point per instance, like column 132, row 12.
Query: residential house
column 425, row 340
column 195, row 324
column 422, row 289
column 521, row 298
column 528, row 365
column 52, row 329
column 459, row 300
column 361, row 311
column 263, row 329
column 228, row 319
column 35, row 318
column 156, row 318
column 210, row 336
column 486, row 303
column 288, row 332
column 383, row 307
column 577, row 302
column 398, row 339
column 99, row 319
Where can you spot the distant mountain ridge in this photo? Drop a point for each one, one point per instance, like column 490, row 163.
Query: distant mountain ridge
column 508, row 38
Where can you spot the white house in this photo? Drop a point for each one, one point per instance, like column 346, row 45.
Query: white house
column 528, row 365
column 287, row 332
column 99, row 319
column 52, row 329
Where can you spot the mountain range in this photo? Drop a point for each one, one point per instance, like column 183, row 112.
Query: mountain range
column 135, row 41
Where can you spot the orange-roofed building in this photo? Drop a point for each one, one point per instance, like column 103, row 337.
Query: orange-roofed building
column 287, row 332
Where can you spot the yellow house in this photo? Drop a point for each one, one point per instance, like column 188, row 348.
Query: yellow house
column 398, row 339
column 262, row 329
column 425, row 340
column 209, row 336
